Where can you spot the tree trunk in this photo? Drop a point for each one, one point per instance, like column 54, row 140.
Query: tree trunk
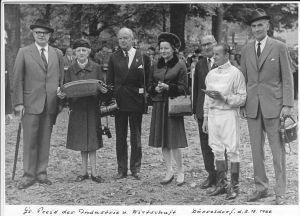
column 75, row 22
column 13, row 26
column 164, row 19
column 177, row 21
column 271, row 30
column 217, row 23
column 47, row 15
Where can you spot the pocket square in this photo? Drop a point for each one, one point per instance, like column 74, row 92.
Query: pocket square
column 141, row 66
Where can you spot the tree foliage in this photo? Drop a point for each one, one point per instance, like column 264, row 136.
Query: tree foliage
column 72, row 21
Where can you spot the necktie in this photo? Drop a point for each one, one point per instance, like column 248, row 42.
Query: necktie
column 127, row 57
column 44, row 58
column 258, row 50
column 209, row 63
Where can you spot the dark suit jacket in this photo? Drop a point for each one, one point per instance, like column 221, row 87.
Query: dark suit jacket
column 269, row 79
column 33, row 84
column 128, row 81
column 200, row 73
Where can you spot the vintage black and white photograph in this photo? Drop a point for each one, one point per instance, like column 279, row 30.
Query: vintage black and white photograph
column 149, row 103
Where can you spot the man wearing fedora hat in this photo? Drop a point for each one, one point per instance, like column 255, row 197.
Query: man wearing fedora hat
column 37, row 71
column 266, row 66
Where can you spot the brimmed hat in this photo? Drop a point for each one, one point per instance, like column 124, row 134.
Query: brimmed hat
column 81, row 43
column 42, row 23
column 171, row 38
column 258, row 14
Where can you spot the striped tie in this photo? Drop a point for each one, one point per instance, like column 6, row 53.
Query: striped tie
column 44, row 58
column 258, row 50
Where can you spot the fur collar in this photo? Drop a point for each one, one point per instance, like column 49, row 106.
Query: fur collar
column 171, row 63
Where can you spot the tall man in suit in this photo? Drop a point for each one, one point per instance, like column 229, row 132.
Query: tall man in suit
column 126, row 73
column 203, row 66
column 37, row 71
column 266, row 66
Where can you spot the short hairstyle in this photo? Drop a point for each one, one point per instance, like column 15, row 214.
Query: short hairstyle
column 127, row 30
column 226, row 47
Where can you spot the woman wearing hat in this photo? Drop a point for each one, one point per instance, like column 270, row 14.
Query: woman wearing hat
column 84, row 129
column 169, row 79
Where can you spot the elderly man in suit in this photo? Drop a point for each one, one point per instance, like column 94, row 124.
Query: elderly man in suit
column 266, row 66
column 126, row 72
column 203, row 66
column 37, row 71
column 68, row 58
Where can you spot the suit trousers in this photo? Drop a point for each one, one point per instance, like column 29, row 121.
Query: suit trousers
column 135, row 124
column 37, row 129
column 208, row 155
column 257, row 128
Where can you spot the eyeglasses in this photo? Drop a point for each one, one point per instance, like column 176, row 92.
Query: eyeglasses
column 207, row 44
column 41, row 33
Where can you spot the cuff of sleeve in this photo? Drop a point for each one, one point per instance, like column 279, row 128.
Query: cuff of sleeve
column 173, row 89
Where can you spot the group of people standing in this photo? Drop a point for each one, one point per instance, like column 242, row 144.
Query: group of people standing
column 262, row 91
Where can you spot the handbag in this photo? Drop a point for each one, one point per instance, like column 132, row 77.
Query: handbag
column 288, row 131
column 108, row 108
column 180, row 105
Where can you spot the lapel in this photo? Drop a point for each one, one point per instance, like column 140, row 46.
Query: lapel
column 123, row 64
column 51, row 56
column 252, row 55
column 136, row 62
column 36, row 56
column 265, row 53
column 205, row 67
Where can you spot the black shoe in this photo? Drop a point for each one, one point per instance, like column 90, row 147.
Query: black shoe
column 136, row 176
column 256, row 195
column 232, row 192
column 219, row 189
column 97, row 179
column 44, row 181
column 207, row 183
column 25, row 183
column 120, row 176
column 82, row 177
column 168, row 181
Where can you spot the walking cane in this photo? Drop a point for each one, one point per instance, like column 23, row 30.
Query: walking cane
column 17, row 148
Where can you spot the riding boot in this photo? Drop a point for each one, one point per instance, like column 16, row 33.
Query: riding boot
column 221, row 178
column 233, row 187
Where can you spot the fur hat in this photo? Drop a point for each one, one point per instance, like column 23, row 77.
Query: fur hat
column 81, row 43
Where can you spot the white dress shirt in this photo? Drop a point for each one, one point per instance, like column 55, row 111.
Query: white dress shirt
column 212, row 61
column 262, row 44
column 45, row 52
column 131, row 54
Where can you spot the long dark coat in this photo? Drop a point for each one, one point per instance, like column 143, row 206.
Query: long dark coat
column 166, row 131
column 84, row 129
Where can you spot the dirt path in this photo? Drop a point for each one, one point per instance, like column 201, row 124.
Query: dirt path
column 64, row 166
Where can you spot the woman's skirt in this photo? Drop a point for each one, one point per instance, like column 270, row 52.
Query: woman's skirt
column 166, row 131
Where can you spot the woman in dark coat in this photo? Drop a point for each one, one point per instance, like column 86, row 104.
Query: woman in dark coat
column 84, row 129
column 168, row 79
